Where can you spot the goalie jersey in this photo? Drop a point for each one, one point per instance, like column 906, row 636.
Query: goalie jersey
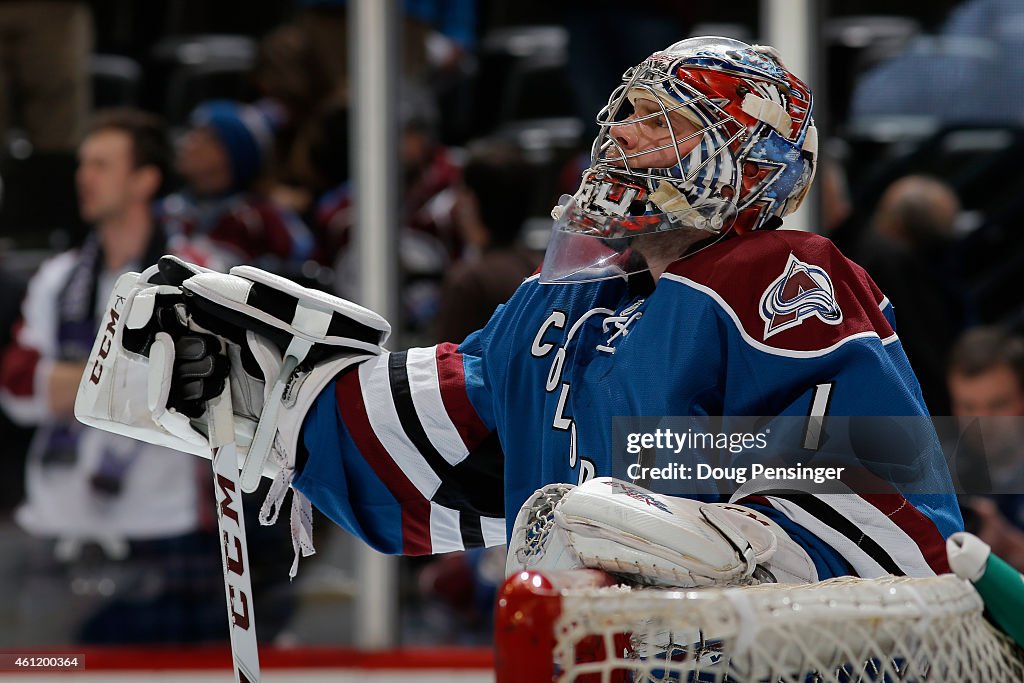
column 435, row 449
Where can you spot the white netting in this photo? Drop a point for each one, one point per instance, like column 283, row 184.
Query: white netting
column 842, row 630
column 535, row 525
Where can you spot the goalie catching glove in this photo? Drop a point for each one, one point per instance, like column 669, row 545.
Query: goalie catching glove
column 175, row 334
column 652, row 539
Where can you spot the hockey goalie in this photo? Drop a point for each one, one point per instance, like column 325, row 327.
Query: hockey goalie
column 668, row 288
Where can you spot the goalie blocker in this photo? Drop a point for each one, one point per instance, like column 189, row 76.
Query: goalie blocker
column 652, row 539
column 284, row 343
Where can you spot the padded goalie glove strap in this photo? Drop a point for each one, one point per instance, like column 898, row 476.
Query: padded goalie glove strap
column 790, row 563
column 248, row 298
column 306, row 326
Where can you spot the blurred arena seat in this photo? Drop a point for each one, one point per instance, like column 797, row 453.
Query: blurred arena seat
column 116, row 81
column 732, row 30
column 523, row 93
column 938, row 76
column 201, row 67
column 537, row 87
column 855, row 44
column 38, row 208
column 980, row 161
column 521, row 75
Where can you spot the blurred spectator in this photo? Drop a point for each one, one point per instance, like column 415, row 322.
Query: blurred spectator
column 307, row 84
column 95, row 499
column 835, row 196
column 938, row 77
column 428, row 240
column 986, row 376
column 14, row 437
column 435, row 34
column 907, row 252
column 44, row 70
column 222, row 159
column 596, row 58
column 489, row 215
column 986, row 385
column 303, row 66
column 458, row 592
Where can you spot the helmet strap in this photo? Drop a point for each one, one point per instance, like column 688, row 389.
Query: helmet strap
column 769, row 112
column 668, row 198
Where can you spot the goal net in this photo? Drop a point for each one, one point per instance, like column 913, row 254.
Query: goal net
column 577, row 626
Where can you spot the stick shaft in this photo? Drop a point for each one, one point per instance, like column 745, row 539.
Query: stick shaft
column 234, row 549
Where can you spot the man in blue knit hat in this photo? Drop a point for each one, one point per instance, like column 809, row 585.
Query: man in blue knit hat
column 222, row 159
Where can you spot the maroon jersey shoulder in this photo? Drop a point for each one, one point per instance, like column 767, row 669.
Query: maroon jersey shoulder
column 788, row 290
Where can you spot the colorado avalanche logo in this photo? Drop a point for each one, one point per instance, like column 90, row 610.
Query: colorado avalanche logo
column 801, row 291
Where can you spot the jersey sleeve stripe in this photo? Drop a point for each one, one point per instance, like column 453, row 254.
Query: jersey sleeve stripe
column 863, row 564
column 452, row 380
column 384, row 420
column 921, row 530
column 425, row 388
column 416, row 524
column 446, row 494
column 887, row 526
column 889, row 537
column 401, row 391
column 841, row 524
column 493, row 530
column 469, row 528
column 444, row 525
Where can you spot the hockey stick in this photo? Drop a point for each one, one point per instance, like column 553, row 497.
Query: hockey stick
column 234, row 550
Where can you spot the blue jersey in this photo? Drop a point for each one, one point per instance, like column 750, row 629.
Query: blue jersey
column 433, row 449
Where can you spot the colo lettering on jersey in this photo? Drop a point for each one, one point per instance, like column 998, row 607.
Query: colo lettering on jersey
column 561, row 421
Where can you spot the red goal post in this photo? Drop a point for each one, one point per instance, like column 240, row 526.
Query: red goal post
column 579, row 626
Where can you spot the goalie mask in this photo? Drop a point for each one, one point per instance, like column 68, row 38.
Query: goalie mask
column 708, row 136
